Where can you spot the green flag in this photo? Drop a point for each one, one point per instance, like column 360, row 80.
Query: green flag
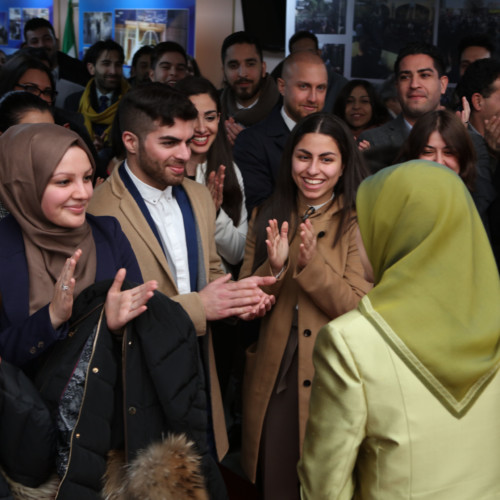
column 69, row 40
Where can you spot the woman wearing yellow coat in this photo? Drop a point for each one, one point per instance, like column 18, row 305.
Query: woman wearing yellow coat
column 406, row 397
column 306, row 235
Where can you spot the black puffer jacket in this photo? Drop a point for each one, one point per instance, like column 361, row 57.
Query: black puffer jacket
column 5, row 493
column 27, row 435
column 138, row 389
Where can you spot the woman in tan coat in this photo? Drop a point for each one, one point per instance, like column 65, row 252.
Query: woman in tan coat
column 306, row 235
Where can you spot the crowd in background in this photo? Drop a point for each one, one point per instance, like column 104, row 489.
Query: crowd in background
column 170, row 254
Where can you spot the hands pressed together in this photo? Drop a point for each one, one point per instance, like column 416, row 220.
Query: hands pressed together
column 120, row 306
column 223, row 298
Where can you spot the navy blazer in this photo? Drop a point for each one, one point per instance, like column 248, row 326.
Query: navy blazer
column 257, row 152
column 24, row 337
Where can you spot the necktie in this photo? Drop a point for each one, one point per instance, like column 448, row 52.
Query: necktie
column 103, row 103
column 99, row 128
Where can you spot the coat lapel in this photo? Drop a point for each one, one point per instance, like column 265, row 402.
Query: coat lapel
column 201, row 220
column 143, row 231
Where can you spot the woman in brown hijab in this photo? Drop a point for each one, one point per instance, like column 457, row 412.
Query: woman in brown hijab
column 50, row 248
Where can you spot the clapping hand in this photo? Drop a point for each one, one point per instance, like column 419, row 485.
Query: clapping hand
column 308, row 244
column 464, row 114
column 232, row 129
column 215, row 184
column 123, row 306
column 120, row 307
column 223, row 298
column 277, row 245
column 100, row 141
column 61, row 306
column 364, row 145
column 492, row 134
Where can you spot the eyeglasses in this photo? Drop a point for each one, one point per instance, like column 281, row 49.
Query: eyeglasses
column 36, row 90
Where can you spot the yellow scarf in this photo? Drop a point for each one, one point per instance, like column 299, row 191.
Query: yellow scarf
column 91, row 116
column 436, row 299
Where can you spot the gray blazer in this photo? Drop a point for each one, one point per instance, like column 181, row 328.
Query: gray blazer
column 385, row 141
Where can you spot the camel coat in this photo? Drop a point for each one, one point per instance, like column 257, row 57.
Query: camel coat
column 331, row 284
column 113, row 198
column 377, row 432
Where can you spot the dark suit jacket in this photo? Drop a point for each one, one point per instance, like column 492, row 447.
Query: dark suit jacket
column 72, row 102
column 336, row 83
column 485, row 192
column 24, row 337
column 257, row 152
column 72, row 69
column 494, row 218
column 385, row 141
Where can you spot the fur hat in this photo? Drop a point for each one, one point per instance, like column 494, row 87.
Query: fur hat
column 168, row 470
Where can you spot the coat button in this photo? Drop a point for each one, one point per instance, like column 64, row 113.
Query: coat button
column 130, row 343
column 321, row 234
column 33, row 350
column 307, row 383
column 307, row 333
column 41, row 344
column 77, row 436
column 95, row 370
column 132, row 410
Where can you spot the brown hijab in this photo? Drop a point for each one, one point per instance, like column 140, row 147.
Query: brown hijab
column 29, row 154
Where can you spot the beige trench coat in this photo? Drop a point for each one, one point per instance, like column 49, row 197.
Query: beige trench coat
column 331, row 284
column 113, row 198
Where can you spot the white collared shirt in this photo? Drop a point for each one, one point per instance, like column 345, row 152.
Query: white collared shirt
column 109, row 95
column 409, row 126
column 288, row 121
column 240, row 106
column 167, row 216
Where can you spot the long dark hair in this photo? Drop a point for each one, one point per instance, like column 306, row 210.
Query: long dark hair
column 455, row 136
column 283, row 204
column 220, row 152
column 380, row 115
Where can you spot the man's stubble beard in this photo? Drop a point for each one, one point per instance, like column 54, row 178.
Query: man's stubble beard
column 247, row 95
column 156, row 170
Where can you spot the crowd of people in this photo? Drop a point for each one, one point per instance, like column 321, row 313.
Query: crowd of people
column 285, row 268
